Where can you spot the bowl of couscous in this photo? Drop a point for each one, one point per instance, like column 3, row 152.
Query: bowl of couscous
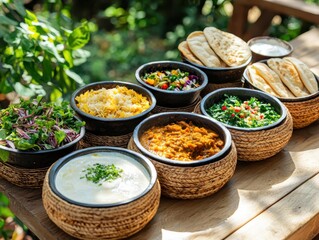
column 112, row 108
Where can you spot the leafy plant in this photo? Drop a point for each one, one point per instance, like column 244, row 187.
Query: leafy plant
column 37, row 58
column 5, row 212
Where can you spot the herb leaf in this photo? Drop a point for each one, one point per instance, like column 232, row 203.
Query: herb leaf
column 99, row 173
column 251, row 113
column 35, row 125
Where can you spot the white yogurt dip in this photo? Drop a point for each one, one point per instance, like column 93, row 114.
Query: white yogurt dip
column 71, row 183
column 269, row 48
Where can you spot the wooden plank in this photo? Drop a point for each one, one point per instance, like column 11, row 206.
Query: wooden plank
column 260, row 27
column 297, row 8
column 27, row 205
column 306, row 48
column 306, row 44
column 254, row 187
column 237, row 23
column 300, row 206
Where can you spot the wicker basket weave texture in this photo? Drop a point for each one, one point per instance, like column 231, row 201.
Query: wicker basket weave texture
column 101, row 223
column 92, row 140
column 260, row 145
column 194, row 182
column 188, row 108
column 23, row 177
column 213, row 86
column 303, row 113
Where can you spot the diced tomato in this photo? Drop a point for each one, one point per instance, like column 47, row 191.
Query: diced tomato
column 242, row 115
column 224, row 108
column 261, row 116
column 233, row 115
column 237, row 109
column 164, row 86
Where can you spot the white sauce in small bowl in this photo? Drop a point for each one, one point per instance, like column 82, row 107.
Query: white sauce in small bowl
column 70, row 182
column 269, row 49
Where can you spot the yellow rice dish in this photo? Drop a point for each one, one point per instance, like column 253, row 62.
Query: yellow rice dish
column 118, row 102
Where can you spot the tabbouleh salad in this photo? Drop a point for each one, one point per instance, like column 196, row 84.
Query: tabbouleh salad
column 251, row 113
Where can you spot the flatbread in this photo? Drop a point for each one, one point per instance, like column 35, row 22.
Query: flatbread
column 231, row 49
column 272, row 79
column 185, row 50
column 288, row 75
column 259, row 82
column 305, row 74
column 201, row 49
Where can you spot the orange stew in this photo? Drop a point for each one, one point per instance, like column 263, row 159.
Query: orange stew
column 182, row 141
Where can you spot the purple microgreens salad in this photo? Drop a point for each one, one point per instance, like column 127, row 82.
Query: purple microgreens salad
column 33, row 125
column 172, row 80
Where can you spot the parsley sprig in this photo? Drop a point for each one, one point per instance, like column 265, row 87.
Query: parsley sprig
column 99, row 173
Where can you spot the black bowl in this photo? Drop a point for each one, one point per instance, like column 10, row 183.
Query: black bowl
column 248, row 84
column 41, row 158
column 146, row 163
column 162, row 119
column 166, row 98
column 244, row 93
column 221, row 75
column 112, row 126
column 266, row 53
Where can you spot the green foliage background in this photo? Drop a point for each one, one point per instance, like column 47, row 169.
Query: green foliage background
column 124, row 35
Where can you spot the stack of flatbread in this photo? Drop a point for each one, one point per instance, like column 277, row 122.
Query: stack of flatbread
column 215, row 48
column 283, row 77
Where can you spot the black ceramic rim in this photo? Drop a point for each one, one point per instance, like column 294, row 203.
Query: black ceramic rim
column 290, row 48
column 296, row 99
column 218, row 156
column 145, row 162
column 181, row 64
column 263, row 96
column 47, row 151
column 217, row 68
column 125, row 84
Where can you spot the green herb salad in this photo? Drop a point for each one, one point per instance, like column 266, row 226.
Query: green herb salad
column 251, row 113
column 36, row 125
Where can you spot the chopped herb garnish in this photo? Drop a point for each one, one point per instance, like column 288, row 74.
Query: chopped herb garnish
column 34, row 125
column 251, row 113
column 99, row 173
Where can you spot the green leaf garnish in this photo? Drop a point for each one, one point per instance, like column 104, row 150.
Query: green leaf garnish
column 99, row 173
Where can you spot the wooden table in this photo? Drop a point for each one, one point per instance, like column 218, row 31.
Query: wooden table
column 277, row 198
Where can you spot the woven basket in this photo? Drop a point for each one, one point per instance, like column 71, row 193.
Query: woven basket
column 188, row 108
column 194, row 182
column 101, row 223
column 263, row 144
column 304, row 112
column 91, row 140
column 213, row 86
column 23, row 177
